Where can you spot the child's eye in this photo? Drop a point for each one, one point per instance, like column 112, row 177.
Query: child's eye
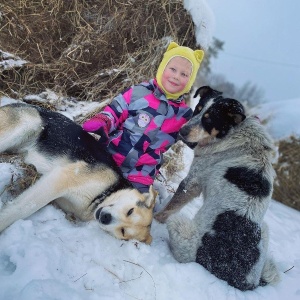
column 184, row 75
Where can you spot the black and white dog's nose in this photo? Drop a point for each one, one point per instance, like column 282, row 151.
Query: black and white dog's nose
column 184, row 131
column 105, row 218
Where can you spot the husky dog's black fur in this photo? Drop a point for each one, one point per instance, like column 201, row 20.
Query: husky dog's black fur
column 78, row 173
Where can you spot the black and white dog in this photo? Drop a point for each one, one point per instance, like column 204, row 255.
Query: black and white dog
column 78, row 174
column 233, row 171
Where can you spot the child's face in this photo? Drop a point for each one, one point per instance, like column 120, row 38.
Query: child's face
column 176, row 74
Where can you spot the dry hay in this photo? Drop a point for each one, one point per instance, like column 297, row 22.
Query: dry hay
column 22, row 181
column 174, row 160
column 287, row 183
column 88, row 49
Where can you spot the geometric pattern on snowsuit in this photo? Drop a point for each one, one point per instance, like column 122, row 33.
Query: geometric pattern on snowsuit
column 144, row 125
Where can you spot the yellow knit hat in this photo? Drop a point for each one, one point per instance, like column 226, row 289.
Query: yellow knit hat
column 195, row 57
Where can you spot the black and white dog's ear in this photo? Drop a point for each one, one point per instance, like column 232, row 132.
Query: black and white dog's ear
column 197, row 109
column 202, row 90
column 236, row 111
column 238, row 117
column 205, row 91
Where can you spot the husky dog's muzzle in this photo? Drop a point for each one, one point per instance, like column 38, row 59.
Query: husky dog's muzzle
column 102, row 217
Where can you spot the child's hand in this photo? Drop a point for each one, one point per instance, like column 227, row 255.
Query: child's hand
column 99, row 124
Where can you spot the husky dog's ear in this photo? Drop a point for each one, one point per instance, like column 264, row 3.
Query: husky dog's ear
column 148, row 239
column 150, row 197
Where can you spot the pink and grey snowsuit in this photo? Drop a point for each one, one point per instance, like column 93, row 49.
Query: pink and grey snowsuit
column 144, row 125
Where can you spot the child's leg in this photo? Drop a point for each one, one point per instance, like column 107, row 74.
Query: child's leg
column 142, row 188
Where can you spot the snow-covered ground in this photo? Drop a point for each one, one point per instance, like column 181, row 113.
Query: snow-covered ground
column 48, row 257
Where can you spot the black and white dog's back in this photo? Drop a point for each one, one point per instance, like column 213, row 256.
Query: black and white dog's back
column 78, row 174
column 232, row 169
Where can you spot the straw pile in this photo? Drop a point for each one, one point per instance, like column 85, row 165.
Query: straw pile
column 88, row 49
column 287, row 183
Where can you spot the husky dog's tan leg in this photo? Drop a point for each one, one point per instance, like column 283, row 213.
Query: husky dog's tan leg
column 19, row 126
column 37, row 196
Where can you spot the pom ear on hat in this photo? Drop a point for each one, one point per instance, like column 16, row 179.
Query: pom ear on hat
column 194, row 56
column 199, row 54
column 171, row 46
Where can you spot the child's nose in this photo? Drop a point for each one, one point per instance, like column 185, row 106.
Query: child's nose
column 176, row 76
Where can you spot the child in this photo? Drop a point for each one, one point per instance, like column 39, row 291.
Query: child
column 143, row 122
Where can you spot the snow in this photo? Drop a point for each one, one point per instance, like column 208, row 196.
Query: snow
column 9, row 61
column 203, row 19
column 47, row 257
column 283, row 117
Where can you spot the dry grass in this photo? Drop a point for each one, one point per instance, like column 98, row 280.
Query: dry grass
column 22, row 182
column 174, row 160
column 287, row 183
column 88, row 49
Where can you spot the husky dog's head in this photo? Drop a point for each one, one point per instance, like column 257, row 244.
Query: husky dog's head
column 127, row 214
column 213, row 117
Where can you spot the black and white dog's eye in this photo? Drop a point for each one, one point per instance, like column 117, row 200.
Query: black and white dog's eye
column 206, row 120
column 130, row 212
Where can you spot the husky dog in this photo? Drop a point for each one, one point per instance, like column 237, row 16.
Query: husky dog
column 233, row 171
column 76, row 171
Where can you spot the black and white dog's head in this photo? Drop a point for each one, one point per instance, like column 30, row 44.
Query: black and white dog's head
column 214, row 116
